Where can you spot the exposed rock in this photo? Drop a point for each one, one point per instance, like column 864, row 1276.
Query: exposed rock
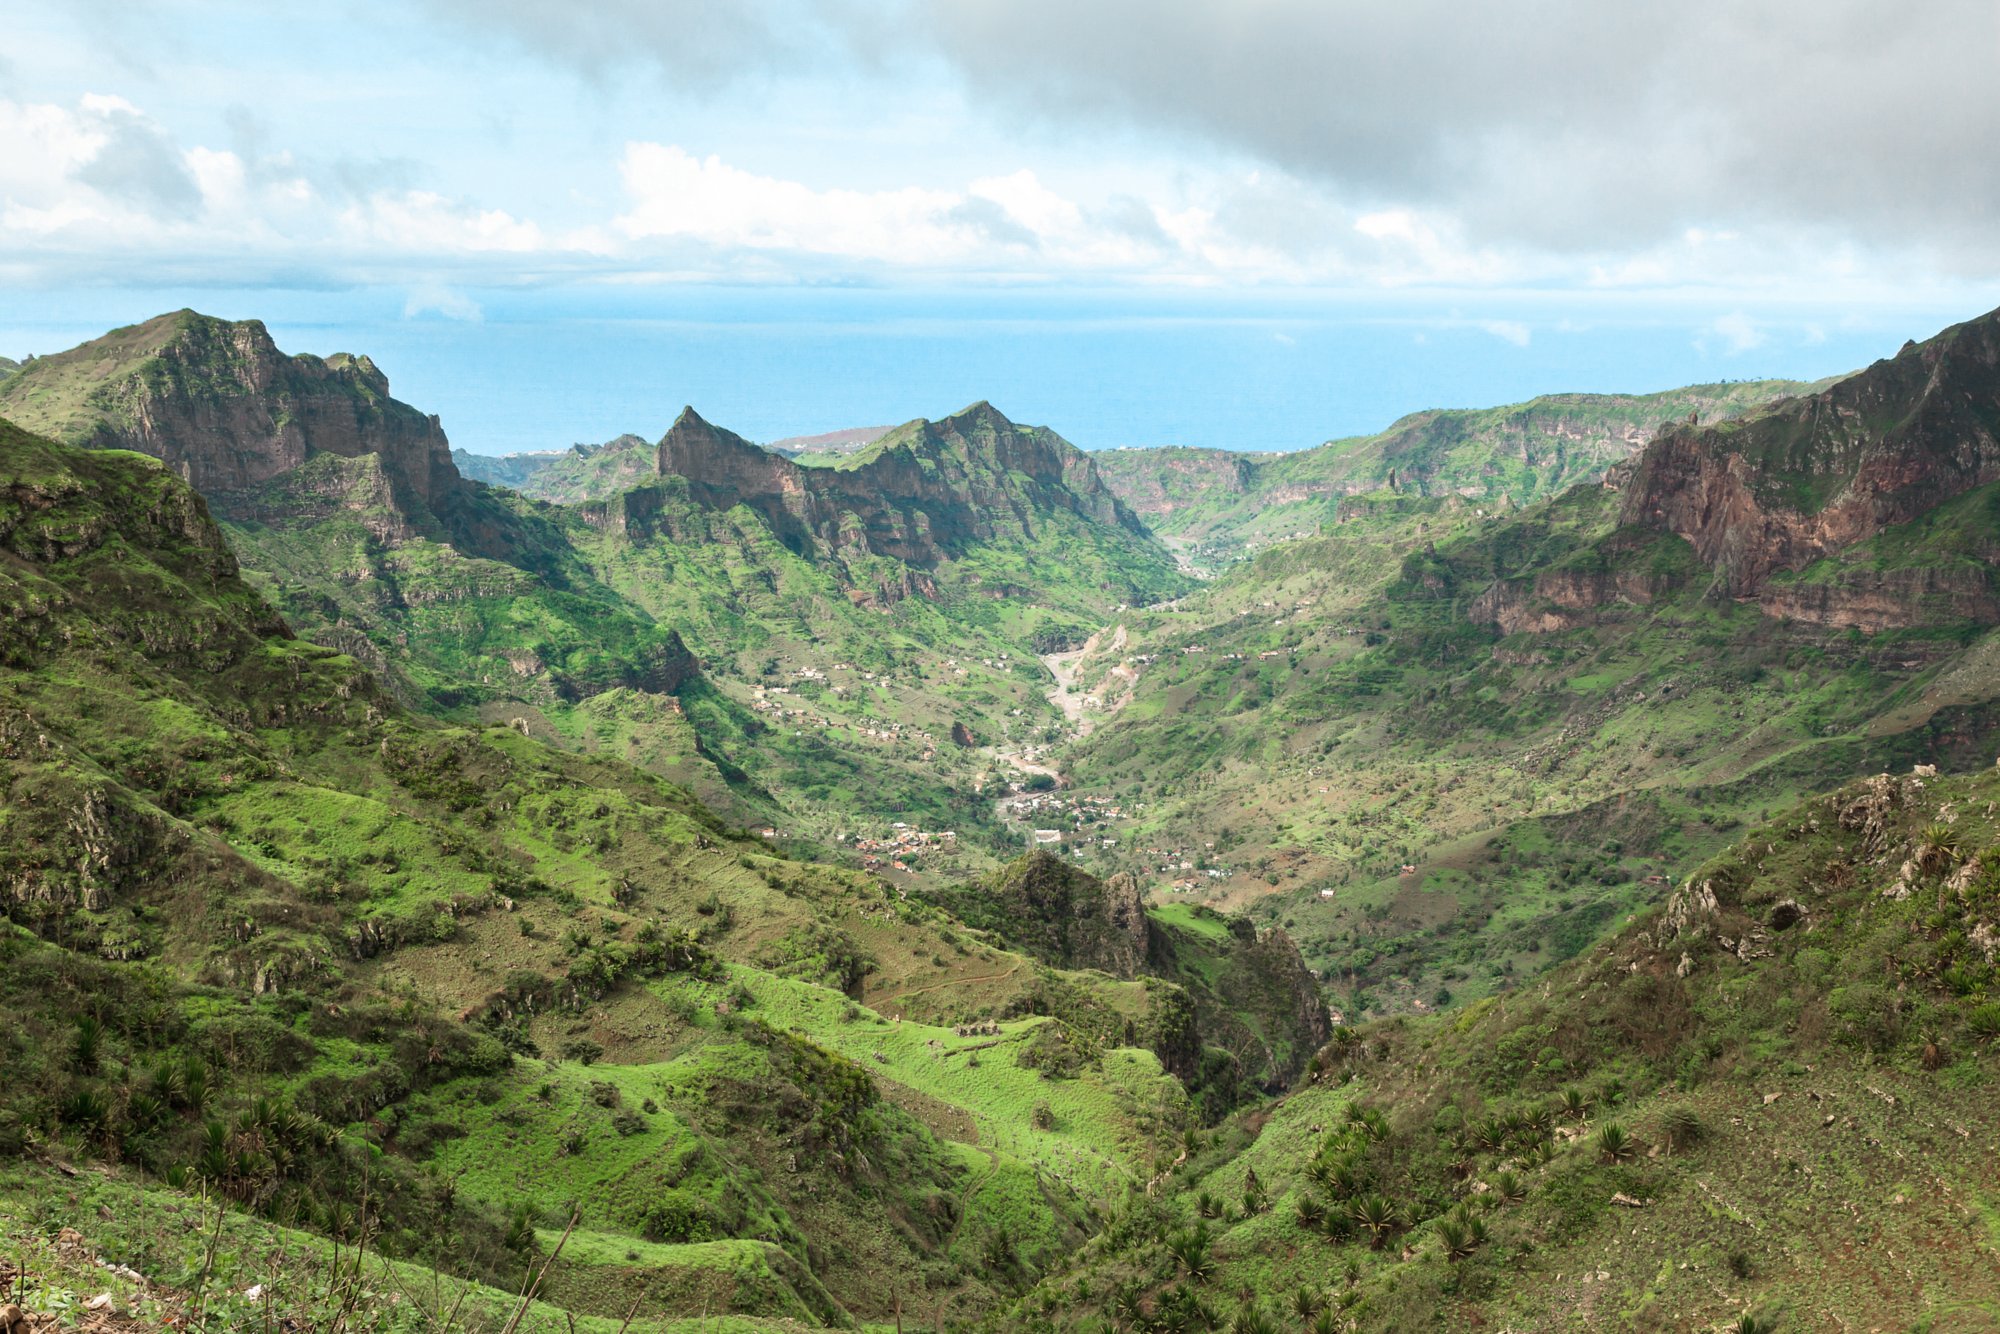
column 923, row 492
column 225, row 409
column 1812, row 476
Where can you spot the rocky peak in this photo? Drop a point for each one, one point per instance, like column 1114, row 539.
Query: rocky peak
column 1072, row 919
column 923, row 492
column 1812, row 475
column 223, row 407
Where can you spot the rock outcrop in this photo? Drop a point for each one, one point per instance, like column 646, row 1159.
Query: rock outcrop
column 226, row 410
column 1812, row 476
column 1068, row 918
column 1249, row 992
column 925, row 492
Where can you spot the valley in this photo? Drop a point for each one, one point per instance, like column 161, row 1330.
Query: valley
column 936, row 873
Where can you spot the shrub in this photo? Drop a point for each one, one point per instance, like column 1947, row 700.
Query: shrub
column 1682, row 1128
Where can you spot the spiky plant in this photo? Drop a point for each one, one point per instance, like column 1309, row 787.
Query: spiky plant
column 1460, row 1233
column 1682, row 1128
column 1307, row 1302
column 1490, row 1135
column 84, row 1043
column 1614, row 1145
column 1253, row 1320
column 1377, row 1217
column 1190, row 1249
column 1573, row 1104
column 1937, row 848
column 1507, row 1188
column 1128, row 1307
column 1309, row 1212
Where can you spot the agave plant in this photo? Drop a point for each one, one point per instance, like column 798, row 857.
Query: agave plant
column 1507, row 1188
column 1377, row 1217
column 1337, row 1226
column 1490, row 1135
column 1207, row 1205
column 85, row 1109
column 1615, row 1145
column 1461, row 1233
column 1253, row 1320
column 1309, row 1212
column 1573, row 1104
column 1190, row 1249
column 85, row 1042
column 1128, row 1307
column 1307, row 1302
column 1937, row 848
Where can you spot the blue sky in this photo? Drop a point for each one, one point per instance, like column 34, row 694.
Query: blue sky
column 1256, row 225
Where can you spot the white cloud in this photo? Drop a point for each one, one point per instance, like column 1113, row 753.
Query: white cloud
column 676, row 195
column 100, row 187
column 438, row 299
column 1507, row 331
column 1738, row 332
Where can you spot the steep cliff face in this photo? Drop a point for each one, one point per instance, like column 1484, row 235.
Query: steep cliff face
column 347, row 510
column 1071, row 919
column 1815, row 475
column 225, row 409
column 1250, row 993
column 1157, row 483
column 923, row 493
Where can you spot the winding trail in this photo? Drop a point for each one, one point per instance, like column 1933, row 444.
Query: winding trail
column 881, row 1001
column 965, row 1196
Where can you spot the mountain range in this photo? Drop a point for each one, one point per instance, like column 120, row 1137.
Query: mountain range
column 1524, row 868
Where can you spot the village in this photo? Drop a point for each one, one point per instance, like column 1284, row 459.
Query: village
column 1084, row 827
column 903, row 845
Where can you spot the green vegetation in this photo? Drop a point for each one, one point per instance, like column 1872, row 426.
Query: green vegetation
column 1217, row 507
column 1719, row 1114
column 383, row 935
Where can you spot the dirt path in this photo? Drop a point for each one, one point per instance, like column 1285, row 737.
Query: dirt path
column 881, row 1001
column 1062, row 666
column 965, row 1196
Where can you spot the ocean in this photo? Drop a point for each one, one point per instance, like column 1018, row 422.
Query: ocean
column 542, row 368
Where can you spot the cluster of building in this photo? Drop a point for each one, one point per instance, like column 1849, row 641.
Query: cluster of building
column 1182, row 864
column 766, row 700
column 903, row 844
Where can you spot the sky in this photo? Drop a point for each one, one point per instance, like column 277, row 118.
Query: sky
column 1256, row 224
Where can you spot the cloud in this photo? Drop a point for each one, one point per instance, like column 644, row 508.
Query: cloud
column 1737, row 331
column 437, row 299
column 697, row 44
column 134, row 162
column 1569, row 125
column 98, row 188
column 1594, row 132
column 1507, row 331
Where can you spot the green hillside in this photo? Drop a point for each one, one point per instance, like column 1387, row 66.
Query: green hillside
column 1446, row 750
column 701, row 641
column 1216, row 506
column 1764, row 1104
column 285, row 950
